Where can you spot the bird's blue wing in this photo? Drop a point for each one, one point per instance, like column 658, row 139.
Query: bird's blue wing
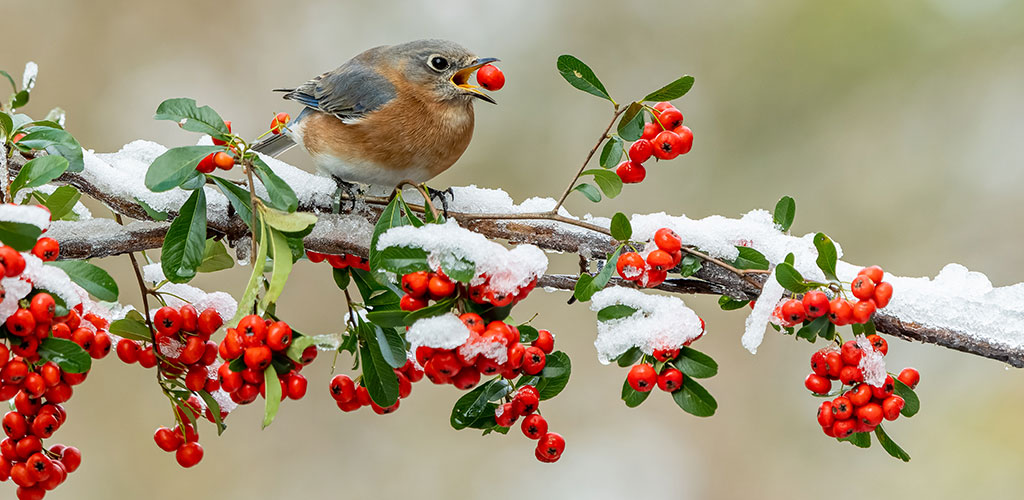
column 348, row 92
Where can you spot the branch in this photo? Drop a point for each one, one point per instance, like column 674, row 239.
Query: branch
column 350, row 233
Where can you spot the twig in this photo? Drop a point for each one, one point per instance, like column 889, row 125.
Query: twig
column 604, row 135
column 145, row 291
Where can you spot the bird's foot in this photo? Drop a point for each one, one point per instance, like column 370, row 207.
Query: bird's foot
column 346, row 191
column 442, row 196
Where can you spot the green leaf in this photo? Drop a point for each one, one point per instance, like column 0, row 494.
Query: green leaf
column 694, row 399
column 689, row 266
column 20, row 235
column 580, row 75
column 214, row 407
column 404, row 260
column 435, row 309
column 890, row 446
column 215, row 257
column 273, row 391
column 554, row 376
column 388, row 319
column 587, row 286
column 473, row 404
column 287, row 222
column 55, row 141
column 674, row 90
column 621, row 228
column 631, row 125
column 785, row 212
column 631, row 397
column 392, row 347
column 280, row 193
column 814, row 329
column 527, row 334
column 630, row 357
column 608, row 181
column 185, row 242
column 20, row 99
column 612, row 152
column 14, row 86
column 39, row 171
column 459, row 269
column 61, row 201
column 790, row 278
column 390, row 217
column 750, row 258
column 615, row 312
column 858, row 439
column 131, row 328
column 378, row 376
column 589, row 191
column 281, row 254
column 67, row 354
column 238, row 197
column 826, row 255
column 696, row 364
column 728, row 303
column 192, row 118
column 6, row 126
column 92, row 278
column 176, row 166
column 341, row 278
column 912, row 403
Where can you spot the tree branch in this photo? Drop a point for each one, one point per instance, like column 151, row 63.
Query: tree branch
column 350, row 233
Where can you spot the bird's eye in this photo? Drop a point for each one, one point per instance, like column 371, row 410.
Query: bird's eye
column 438, row 63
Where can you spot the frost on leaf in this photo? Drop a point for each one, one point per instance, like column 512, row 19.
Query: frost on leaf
column 660, row 322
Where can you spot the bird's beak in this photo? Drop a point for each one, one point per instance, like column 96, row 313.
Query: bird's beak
column 461, row 78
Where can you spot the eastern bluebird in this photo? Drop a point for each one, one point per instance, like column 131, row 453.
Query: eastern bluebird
column 392, row 113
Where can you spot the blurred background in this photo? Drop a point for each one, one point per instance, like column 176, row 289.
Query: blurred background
column 897, row 126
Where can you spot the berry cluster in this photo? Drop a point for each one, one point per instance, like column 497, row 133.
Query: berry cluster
column 651, row 268
column 351, row 397
column 342, row 261
column 486, row 293
column 252, row 347
column 664, row 138
column 420, row 287
column 220, row 159
column 490, row 77
column 863, row 406
column 872, row 294
column 525, row 403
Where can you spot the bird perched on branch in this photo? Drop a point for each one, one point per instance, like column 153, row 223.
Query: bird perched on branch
column 391, row 114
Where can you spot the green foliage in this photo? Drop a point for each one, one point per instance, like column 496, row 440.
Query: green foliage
column 92, row 278
column 192, row 118
column 39, row 171
column 176, row 166
column 20, row 235
column 620, row 227
column 185, row 244
column 67, row 354
column 580, row 75
column 785, row 212
column 674, row 90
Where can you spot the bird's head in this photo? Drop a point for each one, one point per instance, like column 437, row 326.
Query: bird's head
column 443, row 67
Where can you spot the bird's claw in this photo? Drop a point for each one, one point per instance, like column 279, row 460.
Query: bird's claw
column 345, row 188
column 440, row 195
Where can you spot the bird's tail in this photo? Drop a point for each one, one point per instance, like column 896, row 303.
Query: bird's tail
column 274, row 145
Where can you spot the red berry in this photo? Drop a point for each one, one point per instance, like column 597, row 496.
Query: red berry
column 659, row 260
column 466, row 378
column 883, row 293
column 670, row 118
column 12, row 261
column 815, row 304
column 885, row 390
column 817, row 384
column 167, row 320
column 278, row 123
column 189, row 454
column 224, row 161
column 860, row 395
column 258, row 358
column 168, row 440
column 863, row 310
column 209, row 321
column 252, row 330
column 343, row 389
column 71, row 458
column 842, row 409
column 534, row 426
column 843, row 427
column 665, row 355
column 642, row 377
column 892, row 406
column 279, row 336
column 505, row 415
column 630, row 266
column 206, row 165
column 22, row 323
column 850, row 374
column 840, row 311
column 545, row 341
column 641, row 151
column 46, row 249
column 631, row 172
column 793, row 311
column 818, row 363
column 670, row 380
column 851, row 353
column 667, row 145
column 15, row 425
column 910, row 377
column 297, row 384
column 440, row 287
column 651, row 130
column 410, row 303
column 685, row 138
column 825, row 417
column 862, row 287
column 870, row 414
column 667, row 240
column 550, row 446
column 416, row 284
column 526, row 400
column 490, row 77
column 874, row 273
column 533, row 360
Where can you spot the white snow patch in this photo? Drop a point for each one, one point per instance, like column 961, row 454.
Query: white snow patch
column 872, row 363
column 506, row 270
column 446, row 331
column 222, row 302
column 28, row 79
column 758, row 319
column 661, row 322
column 25, row 214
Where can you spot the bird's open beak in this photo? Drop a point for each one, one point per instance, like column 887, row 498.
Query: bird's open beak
column 461, row 78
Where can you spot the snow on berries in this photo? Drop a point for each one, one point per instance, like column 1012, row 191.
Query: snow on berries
column 646, row 322
column 664, row 137
column 650, row 268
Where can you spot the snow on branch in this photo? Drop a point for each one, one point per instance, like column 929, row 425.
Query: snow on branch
column 958, row 309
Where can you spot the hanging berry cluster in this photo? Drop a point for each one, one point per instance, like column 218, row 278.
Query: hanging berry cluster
column 650, row 268
column 256, row 354
column 664, row 137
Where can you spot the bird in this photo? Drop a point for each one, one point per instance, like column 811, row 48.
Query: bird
column 391, row 114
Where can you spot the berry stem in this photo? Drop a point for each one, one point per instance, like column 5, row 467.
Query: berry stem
column 144, row 290
column 604, row 135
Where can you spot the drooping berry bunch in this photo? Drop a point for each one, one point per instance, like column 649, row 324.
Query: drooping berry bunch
column 868, row 288
column 351, row 397
column 664, row 138
column 860, row 406
column 643, row 376
column 491, row 349
column 420, row 287
column 254, row 346
column 221, row 159
column 650, row 268
column 526, row 403
column 342, row 261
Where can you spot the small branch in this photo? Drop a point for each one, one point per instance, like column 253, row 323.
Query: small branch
column 253, row 201
column 604, row 135
column 145, row 291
